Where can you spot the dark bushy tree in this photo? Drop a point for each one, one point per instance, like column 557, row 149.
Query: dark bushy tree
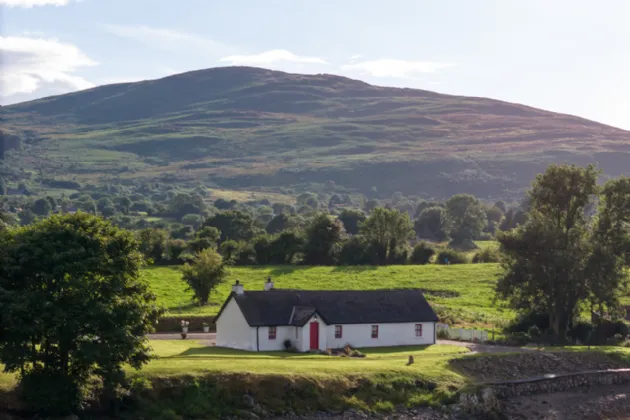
column 559, row 260
column 73, row 307
column 466, row 219
column 431, row 224
column 323, row 235
column 233, row 224
column 386, row 230
column 352, row 219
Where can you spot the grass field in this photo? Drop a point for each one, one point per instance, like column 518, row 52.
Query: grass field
column 188, row 356
column 466, row 291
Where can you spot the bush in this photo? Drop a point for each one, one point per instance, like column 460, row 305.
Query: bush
column 287, row 344
column 488, row 255
column 422, row 253
column 443, row 335
column 450, row 256
column 523, row 322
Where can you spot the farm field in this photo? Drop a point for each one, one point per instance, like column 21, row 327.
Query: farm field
column 465, row 292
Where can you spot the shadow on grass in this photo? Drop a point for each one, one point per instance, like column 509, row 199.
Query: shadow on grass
column 198, row 352
column 277, row 270
column 356, row 268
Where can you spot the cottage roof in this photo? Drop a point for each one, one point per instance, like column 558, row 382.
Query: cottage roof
column 279, row 307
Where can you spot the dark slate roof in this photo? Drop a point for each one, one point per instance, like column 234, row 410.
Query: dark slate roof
column 295, row 307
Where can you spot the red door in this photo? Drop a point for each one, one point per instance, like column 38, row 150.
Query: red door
column 314, row 335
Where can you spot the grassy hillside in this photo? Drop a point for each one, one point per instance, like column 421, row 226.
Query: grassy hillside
column 466, row 292
column 240, row 127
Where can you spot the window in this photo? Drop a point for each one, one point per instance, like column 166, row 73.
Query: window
column 272, row 333
column 338, row 331
column 374, row 331
column 418, row 330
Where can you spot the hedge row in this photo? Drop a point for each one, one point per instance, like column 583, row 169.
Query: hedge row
column 173, row 323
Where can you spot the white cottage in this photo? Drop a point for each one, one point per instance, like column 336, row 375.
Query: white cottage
column 317, row 319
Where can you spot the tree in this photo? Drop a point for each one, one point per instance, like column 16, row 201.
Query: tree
column 41, row 207
column 182, row 204
column 351, row 219
column 194, row 220
column 153, row 243
column 4, row 186
column 233, row 224
column 281, row 222
column 560, row 261
column 386, row 230
column 208, row 237
column 74, row 307
column 175, row 248
column 26, row 217
column 287, row 244
column 206, row 273
column 322, row 236
column 229, row 249
column 465, row 219
column 430, row 224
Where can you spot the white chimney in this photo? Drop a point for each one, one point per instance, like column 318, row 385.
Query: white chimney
column 238, row 288
column 269, row 284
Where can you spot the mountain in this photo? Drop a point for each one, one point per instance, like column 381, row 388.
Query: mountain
column 243, row 127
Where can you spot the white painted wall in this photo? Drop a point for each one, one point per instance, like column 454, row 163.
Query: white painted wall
column 282, row 333
column 360, row 335
column 233, row 330
column 305, row 344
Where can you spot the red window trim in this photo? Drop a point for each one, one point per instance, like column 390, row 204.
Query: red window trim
column 273, row 333
column 338, row 331
column 418, row 330
column 374, row 331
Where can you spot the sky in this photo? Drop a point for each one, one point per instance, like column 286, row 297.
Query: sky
column 570, row 56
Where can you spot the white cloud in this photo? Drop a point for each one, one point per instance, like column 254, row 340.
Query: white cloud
column 434, row 83
column 31, row 3
column 395, row 68
column 355, row 57
column 169, row 39
column 269, row 58
column 30, row 64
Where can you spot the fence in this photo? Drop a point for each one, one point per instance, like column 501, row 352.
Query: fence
column 463, row 334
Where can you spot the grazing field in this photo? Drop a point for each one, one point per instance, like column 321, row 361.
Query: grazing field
column 464, row 292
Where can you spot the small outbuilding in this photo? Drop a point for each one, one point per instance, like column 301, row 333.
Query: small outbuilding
column 321, row 319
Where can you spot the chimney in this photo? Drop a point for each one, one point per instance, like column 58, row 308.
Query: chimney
column 269, row 284
column 238, row 288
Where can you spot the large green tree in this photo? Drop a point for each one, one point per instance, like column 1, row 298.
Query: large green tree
column 352, row 219
column 386, row 230
column 431, row 224
column 233, row 224
column 560, row 260
column 465, row 219
column 73, row 307
column 323, row 234
column 205, row 274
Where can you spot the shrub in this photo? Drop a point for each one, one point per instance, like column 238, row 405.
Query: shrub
column 525, row 321
column 450, row 256
column 443, row 334
column 422, row 253
column 488, row 255
column 287, row 344
column 534, row 331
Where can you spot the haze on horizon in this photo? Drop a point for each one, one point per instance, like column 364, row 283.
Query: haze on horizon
column 566, row 56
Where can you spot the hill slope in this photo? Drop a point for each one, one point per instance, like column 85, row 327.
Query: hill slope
column 247, row 127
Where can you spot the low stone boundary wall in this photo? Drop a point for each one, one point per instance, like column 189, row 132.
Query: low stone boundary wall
column 546, row 384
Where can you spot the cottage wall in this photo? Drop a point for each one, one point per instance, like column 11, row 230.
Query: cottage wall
column 402, row 334
column 233, row 330
column 282, row 333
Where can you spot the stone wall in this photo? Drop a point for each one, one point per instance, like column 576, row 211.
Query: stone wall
column 559, row 383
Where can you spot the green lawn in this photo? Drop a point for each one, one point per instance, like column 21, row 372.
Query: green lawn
column 186, row 356
column 465, row 291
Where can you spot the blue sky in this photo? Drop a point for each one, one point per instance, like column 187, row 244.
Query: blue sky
column 567, row 56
